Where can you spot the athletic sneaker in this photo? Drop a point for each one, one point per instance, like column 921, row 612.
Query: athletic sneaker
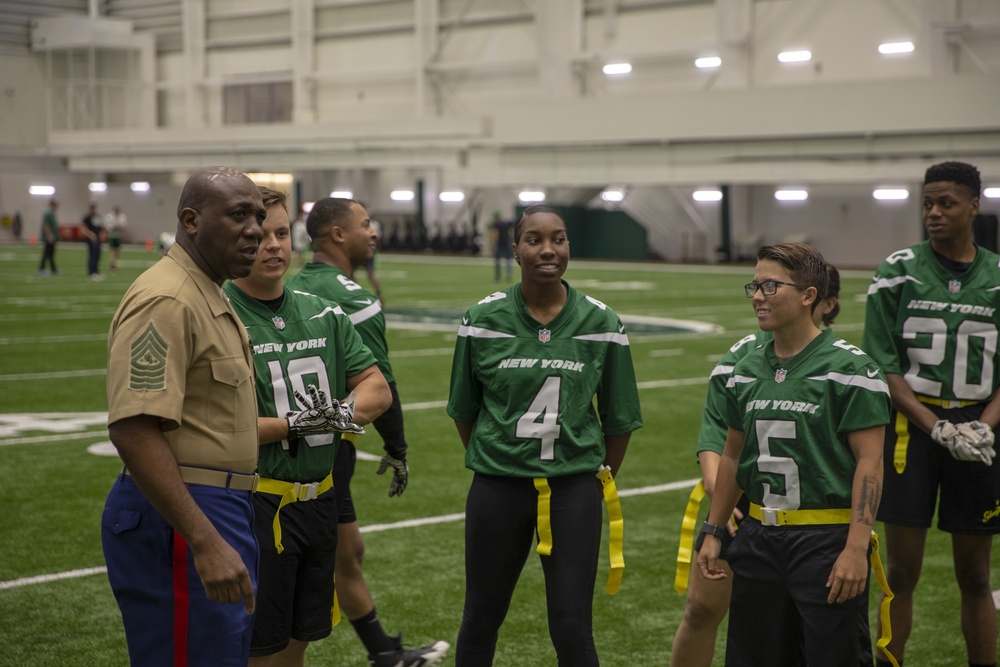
column 418, row 657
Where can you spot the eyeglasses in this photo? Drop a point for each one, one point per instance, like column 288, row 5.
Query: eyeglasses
column 768, row 287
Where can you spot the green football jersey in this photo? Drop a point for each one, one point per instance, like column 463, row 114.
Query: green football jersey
column 712, row 436
column 308, row 341
column 795, row 420
column 363, row 307
column 530, row 388
column 937, row 330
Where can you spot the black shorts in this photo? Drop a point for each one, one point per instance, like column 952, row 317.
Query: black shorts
column 969, row 490
column 778, row 614
column 295, row 590
column 114, row 243
column 743, row 505
column 343, row 471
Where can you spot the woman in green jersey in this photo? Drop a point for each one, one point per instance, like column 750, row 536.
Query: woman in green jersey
column 529, row 361
column 708, row 599
column 806, row 414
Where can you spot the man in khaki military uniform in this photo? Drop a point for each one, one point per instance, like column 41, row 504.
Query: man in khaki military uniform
column 177, row 527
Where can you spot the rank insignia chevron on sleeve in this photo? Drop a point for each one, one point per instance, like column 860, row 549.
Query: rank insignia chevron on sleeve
column 149, row 361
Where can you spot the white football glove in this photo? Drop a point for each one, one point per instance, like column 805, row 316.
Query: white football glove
column 321, row 416
column 400, row 474
column 947, row 435
column 980, row 436
column 345, row 417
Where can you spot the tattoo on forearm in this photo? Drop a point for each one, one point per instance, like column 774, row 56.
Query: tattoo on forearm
column 871, row 494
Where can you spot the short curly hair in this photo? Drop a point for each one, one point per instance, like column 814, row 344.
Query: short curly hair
column 959, row 173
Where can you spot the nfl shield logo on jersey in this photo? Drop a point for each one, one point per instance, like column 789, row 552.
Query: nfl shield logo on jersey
column 779, row 375
column 954, row 286
column 544, row 335
column 278, row 322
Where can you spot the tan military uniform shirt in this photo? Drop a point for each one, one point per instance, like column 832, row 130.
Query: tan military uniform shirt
column 177, row 351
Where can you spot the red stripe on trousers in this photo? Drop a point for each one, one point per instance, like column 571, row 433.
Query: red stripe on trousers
column 181, row 600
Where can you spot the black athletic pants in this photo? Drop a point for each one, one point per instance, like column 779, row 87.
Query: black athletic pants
column 500, row 526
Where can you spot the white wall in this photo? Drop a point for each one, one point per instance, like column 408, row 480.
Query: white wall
column 488, row 105
column 22, row 103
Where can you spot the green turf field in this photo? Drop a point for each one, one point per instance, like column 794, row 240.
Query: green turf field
column 52, row 405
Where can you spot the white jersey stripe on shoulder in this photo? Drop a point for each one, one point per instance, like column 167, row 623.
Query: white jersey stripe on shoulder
column 885, row 283
column 479, row 332
column 738, row 379
column 371, row 311
column 872, row 384
column 609, row 337
column 336, row 311
column 721, row 370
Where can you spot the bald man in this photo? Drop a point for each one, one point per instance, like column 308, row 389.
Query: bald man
column 177, row 527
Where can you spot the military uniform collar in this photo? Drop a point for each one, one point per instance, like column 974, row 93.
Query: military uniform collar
column 213, row 293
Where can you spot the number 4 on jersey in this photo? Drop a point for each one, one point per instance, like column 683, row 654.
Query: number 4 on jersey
column 541, row 421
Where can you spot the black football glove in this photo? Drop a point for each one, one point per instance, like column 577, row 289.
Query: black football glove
column 400, row 474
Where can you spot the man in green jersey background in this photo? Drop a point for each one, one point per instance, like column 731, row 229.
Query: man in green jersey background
column 931, row 324
column 49, row 238
column 806, row 417
column 298, row 341
column 342, row 240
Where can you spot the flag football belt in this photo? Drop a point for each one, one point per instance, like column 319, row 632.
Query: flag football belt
column 616, row 525
column 223, row 479
column 349, row 437
column 685, row 548
column 291, row 492
column 882, row 643
column 903, row 430
column 770, row 516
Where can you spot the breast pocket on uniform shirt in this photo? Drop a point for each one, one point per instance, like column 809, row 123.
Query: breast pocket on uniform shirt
column 230, row 400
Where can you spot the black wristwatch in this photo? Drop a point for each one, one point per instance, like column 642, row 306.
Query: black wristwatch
column 713, row 530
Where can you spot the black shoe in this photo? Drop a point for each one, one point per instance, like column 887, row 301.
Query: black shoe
column 418, row 657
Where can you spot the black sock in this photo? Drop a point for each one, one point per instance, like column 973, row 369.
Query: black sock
column 372, row 635
column 884, row 663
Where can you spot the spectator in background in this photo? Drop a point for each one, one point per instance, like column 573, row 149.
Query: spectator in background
column 370, row 264
column 115, row 223
column 300, row 240
column 92, row 230
column 164, row 241
column 17, row 226
column 50, row 236
column 503, row 249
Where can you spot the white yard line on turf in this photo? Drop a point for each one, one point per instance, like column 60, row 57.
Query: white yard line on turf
column 373, row 528
column 35, row 424
column 53, row 376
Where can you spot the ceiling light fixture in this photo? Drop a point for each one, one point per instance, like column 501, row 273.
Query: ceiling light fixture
column 617, row 69
column 707, row 195
column 892, row 48
column 795, row 56
column 791, row 195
